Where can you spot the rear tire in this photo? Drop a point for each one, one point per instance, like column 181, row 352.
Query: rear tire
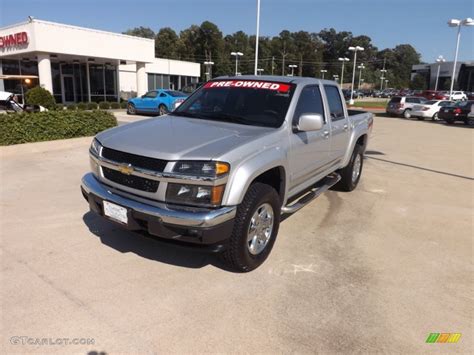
column 449, row 121
column 162, row 110
column 243, row 253
column 350, row 175
column 407, row 114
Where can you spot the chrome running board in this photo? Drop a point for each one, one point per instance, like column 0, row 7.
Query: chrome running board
column 322, row 186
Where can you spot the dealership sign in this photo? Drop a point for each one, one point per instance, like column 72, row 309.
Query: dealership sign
column 13, row 40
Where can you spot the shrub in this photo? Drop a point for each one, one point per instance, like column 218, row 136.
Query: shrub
column 40, row 96
column 50, row 125
column 82, row 106
column 71, row 107
column 104, row 105
column 123, row 104
column 114, row 105
column 92, row 105
column 58, row 107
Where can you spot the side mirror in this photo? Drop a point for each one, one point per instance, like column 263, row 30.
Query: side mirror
column 310, row 122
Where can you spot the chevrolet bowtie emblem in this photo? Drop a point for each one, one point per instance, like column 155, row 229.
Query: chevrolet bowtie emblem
column 126, row 169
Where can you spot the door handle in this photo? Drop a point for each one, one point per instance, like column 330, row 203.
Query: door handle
column 326, row 134
column 346, row 127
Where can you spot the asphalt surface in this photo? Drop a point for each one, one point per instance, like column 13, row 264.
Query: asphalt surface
column 374, row 270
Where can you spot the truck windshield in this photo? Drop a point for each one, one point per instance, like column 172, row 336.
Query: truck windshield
column 255, row 103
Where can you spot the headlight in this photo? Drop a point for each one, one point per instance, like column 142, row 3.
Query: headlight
column 96, row 147
column 194, row 195
column 201, row 168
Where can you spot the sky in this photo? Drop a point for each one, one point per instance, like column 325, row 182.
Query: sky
column 421, row 23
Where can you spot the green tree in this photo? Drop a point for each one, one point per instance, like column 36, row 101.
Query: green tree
column 141, row 31
column 40, row 96
column 166, row 43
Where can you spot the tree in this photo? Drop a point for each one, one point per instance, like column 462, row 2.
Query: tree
column 141, row 31
column 166, row 43
column 418, row 82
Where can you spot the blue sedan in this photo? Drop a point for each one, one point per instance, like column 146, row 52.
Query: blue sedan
column 156, row 101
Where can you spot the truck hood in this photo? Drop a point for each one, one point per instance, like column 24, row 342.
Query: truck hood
column 177, row 138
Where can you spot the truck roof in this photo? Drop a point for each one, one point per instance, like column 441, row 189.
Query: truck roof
column 276, row 78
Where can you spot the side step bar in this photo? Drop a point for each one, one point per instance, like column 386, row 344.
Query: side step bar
column 324, row 185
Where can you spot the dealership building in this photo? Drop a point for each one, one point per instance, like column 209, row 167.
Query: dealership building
column 464, row 74
column 79, row 64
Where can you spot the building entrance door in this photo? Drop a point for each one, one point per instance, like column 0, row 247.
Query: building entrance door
column 68, row 88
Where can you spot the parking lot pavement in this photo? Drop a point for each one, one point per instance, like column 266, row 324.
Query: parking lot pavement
column 375, row 270
column 123, row 118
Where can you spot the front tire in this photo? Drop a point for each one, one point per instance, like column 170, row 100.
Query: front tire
column 255, row 229
column 435, row 117
column 350, row 175
column 131, row 110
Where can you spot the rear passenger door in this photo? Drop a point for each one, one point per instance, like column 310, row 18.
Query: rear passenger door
column 339, row 123
column 309, row 153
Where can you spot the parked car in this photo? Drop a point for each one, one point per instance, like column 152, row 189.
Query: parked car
column 156, row 101
column 458, row 96
column 9, row 103
column 429, row 109
column 218, row 172
column 460, row 111
column 403, row 105
column 434, row 95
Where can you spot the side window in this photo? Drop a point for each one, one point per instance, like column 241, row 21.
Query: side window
column 336, row 107
column 162, row 94
column 151, row 94
column 310, row 101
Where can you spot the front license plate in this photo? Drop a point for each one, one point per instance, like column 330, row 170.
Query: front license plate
column 115, row 212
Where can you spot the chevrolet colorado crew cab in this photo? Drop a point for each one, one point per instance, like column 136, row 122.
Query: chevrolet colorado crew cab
column 218, row 172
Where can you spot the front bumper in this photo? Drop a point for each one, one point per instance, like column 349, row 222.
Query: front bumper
column 177, row 223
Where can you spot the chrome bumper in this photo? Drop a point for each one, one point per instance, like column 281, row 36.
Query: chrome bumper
column 194, row 218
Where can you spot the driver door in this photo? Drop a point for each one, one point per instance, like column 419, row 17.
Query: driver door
column 148, row 101
column 309, row 152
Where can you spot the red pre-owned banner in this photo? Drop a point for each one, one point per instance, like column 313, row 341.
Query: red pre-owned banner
column 248, row 84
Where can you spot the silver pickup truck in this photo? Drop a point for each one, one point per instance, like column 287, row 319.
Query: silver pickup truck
column 218, row 172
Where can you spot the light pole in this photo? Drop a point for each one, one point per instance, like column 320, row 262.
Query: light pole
column 383, row 71
column 360, row 74
column 236, row 55
column 457, row 23
column 355, row 50
column 386, row 83
column 259, row 71
column 439, row 60
column 256, row 38
column 335, row 77
column 323, row 71
column 208, row 66
column 343, row 60
column 292, row 66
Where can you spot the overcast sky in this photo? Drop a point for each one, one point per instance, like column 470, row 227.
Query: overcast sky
column 421, row 23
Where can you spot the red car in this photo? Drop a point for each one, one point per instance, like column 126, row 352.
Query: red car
column 434, row 95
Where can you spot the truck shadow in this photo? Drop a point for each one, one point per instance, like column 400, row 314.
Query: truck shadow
column 147, row 246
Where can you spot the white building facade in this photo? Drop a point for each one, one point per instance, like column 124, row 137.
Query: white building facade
column 78, row 64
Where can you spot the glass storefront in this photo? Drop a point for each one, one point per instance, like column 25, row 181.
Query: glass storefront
column 17, row 67
column 69, row 80
column 173, row 82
